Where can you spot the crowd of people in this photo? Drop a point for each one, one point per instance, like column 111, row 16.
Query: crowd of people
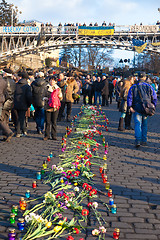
column 44, row 96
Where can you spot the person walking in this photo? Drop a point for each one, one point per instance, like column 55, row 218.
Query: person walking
column 135, row 105
column 22, row 101
column 53, row 96
column 123, row 105
column 111, row 89
column 3, row 124
column 69, row 86
column 38, row 93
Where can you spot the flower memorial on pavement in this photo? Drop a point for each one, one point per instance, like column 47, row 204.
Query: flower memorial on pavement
column 67, row 209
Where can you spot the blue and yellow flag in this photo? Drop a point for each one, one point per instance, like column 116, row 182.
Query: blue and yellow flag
column 57, row 62
column 139, row 45
column 96, row 31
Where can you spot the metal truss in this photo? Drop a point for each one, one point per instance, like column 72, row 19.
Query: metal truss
column 12, row 45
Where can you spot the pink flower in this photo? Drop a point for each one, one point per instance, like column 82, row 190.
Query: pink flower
column 95, row 204
column 102, row 229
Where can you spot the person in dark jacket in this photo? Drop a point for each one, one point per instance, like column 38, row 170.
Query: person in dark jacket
column 22, row 101
column 135, row 104
column 105, row 91
column 111, row 89
column 97, row 91
column 3, row 125
column 38, row 94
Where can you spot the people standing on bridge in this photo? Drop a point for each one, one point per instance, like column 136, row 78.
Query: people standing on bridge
column 3, row 97
column 38, row 93
column 22, row 101
column 105, row 91
column 104, row 24
column 125, row 112
column 53, row 96
column 135, row 104
column 69, row 86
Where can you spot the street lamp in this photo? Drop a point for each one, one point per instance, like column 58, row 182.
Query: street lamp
column 14, row 11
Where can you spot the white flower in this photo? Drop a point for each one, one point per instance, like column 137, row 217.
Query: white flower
column 95, row 232
column 53, row 167
column 76, row 189
column 95, row 204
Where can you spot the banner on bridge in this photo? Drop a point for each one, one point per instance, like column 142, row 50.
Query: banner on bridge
column 96, row 31
column 139, row 45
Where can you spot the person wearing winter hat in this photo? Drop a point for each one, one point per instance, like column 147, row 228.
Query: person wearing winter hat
column 22, row 101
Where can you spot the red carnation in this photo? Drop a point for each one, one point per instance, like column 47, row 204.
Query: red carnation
column 88, row 163
column 89, row 188
column 76, row 173
column 85, row 185
column 69, row 172
column 89, row 204
column 93, row 192
column 85, row 212
column 76, row 230
column 70, row 238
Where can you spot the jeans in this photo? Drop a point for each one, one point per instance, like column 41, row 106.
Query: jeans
column 97, row 95
column 39, row 118
column 140, row 122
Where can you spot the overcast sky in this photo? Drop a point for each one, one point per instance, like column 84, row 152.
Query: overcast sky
column 120, row 12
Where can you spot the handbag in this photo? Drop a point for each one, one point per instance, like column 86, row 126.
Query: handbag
column 148, row 108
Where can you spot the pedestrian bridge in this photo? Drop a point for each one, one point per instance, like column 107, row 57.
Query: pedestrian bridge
column 22, row 40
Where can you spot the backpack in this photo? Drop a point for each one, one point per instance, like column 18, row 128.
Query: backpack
column 54, row 101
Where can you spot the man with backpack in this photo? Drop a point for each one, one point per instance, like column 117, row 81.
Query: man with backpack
column 139, row 93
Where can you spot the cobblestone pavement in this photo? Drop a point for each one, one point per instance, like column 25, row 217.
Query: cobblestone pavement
column 133, row 175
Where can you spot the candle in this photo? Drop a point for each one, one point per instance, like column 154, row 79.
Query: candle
column 39, row 175
column 12, row 218
column 27, row 194
column 34, row 184
column 116, row 233
column 21, row 224
column 14, row 210
column 11, row 234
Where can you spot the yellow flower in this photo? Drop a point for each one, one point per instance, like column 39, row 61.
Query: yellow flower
column 59, row 205
column 60, row 222
column 57, row 228
column 48, row 224
column 62, row 181
column 75, row 184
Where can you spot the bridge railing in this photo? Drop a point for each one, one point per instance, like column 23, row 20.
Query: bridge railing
column 73, row 30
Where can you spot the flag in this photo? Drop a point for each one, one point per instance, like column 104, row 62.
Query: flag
column 67, row 65
column 139, row 45
column 155, row 44
column 57, row 62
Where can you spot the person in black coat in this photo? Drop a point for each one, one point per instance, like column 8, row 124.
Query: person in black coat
column 3, row 125
column 38, row 94
column 111, row 88
column 22, row 101
column 105, row 91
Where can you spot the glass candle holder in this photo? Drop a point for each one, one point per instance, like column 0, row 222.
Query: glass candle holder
column 11, row 234
column 114, row 209
column 48, row 159
column 27, row 194
column 14, row 209
column 42, row 171
column 12, row 218
column 21, row 199
column 51, row 155
column 34, row 184
column 109, row 192
column 107, row 185
column 44, row 164
column 21, row 224
column 23, row 205
column 39, row 176
column 116, row 233
column 111, row 201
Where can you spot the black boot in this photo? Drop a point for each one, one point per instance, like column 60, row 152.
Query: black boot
column 128, row 122
column 120, row 127
column 68, row 118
